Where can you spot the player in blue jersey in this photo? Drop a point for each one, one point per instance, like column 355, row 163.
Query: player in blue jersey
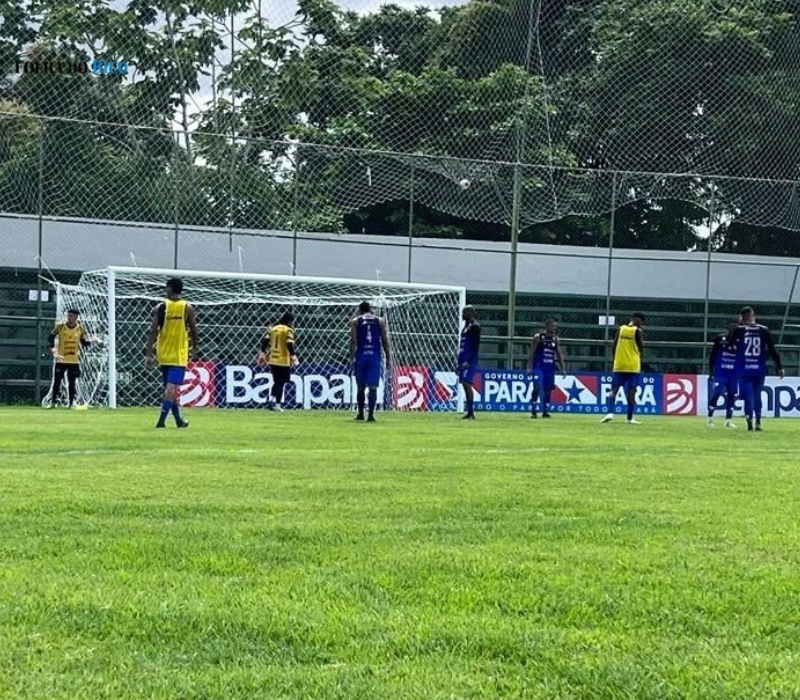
column 545, row 355
column 468, row 350
column 368, row 337
column 723, row 381
column 753, row 345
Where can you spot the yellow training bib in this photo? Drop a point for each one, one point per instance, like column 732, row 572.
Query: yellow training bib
column 173, row 338
column 627, row 357
column 69, row 343
column 279, row 339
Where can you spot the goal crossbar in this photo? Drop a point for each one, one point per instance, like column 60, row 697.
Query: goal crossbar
column 256, row 277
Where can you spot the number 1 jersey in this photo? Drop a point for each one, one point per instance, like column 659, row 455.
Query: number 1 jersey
column 368, row 339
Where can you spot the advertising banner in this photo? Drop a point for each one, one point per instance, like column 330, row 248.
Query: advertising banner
column 780, row 397
column 249, row 386
column 586, row 392
column 418, row 388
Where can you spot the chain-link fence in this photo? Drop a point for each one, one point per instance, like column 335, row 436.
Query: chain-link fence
column 688, row 295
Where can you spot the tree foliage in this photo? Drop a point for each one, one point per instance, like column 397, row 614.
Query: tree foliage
column 316, row 124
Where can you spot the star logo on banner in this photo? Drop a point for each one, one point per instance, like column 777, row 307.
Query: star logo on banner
column 574, row 392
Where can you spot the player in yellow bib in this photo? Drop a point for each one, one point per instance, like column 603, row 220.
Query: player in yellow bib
column 172, row 340
column 628, row 351
column 66, row 342
column 278, row 350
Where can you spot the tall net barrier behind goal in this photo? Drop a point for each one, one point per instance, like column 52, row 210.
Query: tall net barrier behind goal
column 233, row 313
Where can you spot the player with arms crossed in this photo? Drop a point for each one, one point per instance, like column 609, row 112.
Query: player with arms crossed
column 173, row 331
column 753, row 344
column 545, row 354
column 468, row 350
column 278, row 350
column 65, row 343
column 628, row 351
column 368, row 335
column 723, row 380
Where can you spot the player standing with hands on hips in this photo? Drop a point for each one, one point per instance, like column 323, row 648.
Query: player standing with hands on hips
column 173, row 331
column 753, row 344
column 545, row 354
column 468, row 350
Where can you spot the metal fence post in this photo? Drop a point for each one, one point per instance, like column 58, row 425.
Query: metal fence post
column 711, row 216
column 410, row 220
column 176, row 204
column 40, row 252
column 612, row 225
column 512, row 277
column 788, row 304
column 295, row 209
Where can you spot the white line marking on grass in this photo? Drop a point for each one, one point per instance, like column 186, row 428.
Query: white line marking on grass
column 360, row 450
column 122, row 451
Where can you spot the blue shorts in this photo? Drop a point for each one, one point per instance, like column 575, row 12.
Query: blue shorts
column 368, row 373
column 545, row 378
column 724, row 385
column 627, row 380
column 467, row 376
column 754, row 383
column 172, row 374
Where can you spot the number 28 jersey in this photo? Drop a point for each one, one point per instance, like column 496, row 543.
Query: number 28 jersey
column 754, row 346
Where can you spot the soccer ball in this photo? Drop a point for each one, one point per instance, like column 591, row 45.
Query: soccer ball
column 464, row 184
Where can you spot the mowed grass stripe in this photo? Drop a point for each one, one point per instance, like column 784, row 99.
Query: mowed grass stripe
column 303, row 556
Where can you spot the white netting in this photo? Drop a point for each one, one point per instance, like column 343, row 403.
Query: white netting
column 318, row 115
column 233, row 313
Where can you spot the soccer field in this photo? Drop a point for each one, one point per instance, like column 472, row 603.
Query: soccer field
column 300, row 555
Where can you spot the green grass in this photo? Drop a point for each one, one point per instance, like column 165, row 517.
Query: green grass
column 304, row 556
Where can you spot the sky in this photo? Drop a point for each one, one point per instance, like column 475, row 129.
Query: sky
column 282, row 11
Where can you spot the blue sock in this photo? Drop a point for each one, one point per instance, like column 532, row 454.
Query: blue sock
column 166, row 407
column 748, row 402
column 372, row 400
column 176, row 413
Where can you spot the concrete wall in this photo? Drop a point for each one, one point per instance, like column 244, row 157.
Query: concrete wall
column 76, row 245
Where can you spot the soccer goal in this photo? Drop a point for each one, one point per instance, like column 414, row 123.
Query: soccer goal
column 233, row 312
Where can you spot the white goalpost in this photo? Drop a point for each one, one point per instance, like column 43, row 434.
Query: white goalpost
column 234, row 310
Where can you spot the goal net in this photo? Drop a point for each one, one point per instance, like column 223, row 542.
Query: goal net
column 233, row 312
